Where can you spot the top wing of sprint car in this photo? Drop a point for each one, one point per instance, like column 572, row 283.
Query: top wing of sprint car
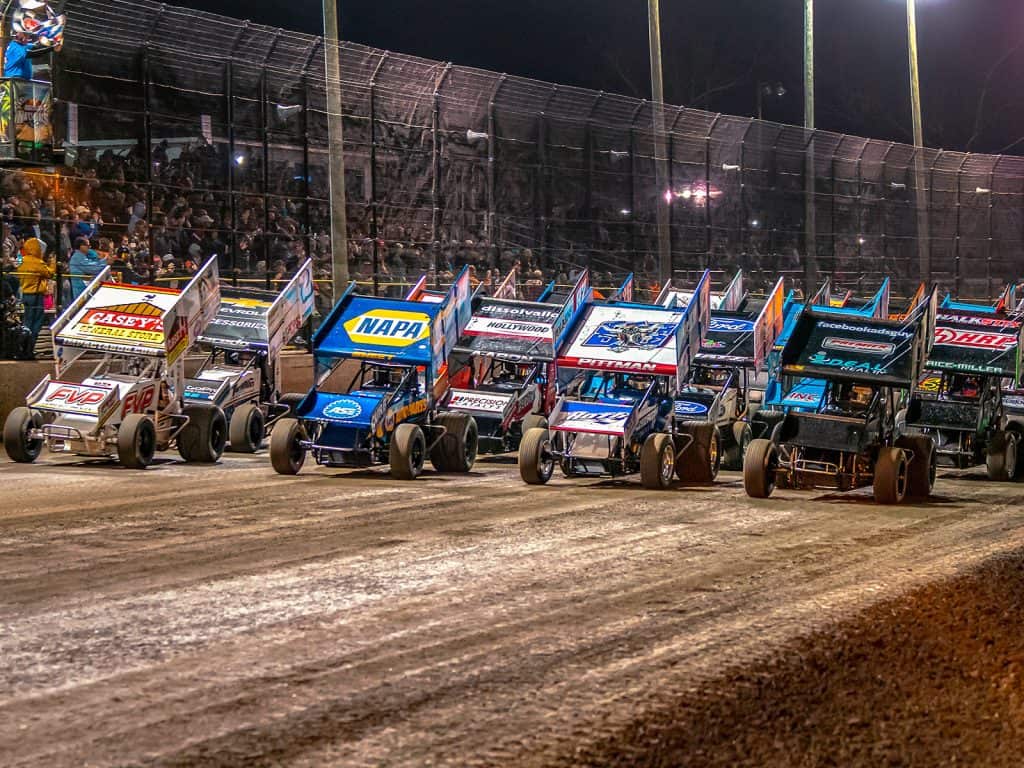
column 254, row 320
column 730, row 299
column 610, row 344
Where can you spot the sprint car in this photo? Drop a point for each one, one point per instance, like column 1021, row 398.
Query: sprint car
column 241, row 374
column 850, row 439
column 959, row 400
column 503, row 366
column 623, row 365
column 719, row 387
column 133, row 402
column 381, row 370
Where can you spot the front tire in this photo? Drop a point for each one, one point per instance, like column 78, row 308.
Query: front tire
column 733, row 459
column 657, row 461
column 535, row 460
column 246, row 429
column 700, row 461
column 202, row 440
column 922, row 469
column 287, row 455
column 407, row 452
column 136, row 441
column 891, row 476
column 1001, row 458
column 19, row 446
column 456, row 450
column 759, row 466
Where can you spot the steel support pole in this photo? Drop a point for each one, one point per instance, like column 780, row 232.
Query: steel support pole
column 810, row 229
column 663, row 198
column 923, row 229
column 335, row 150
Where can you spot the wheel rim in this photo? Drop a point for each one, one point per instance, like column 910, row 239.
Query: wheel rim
column 901, row 479
column 545, row 461
column 469, row 447
column 713, row 451
column 295, row 452
column 146, row 443
column 668, row 464
column 255, row 429
column 771, row 461
column 416, row 454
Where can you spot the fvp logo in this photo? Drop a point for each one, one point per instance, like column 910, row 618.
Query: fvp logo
column 342, row 408
column 622, row 335
column 686, row 408
column 388, row 328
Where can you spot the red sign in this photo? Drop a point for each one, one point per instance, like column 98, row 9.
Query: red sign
column 139, row 400
column 108, row 319
column 974, row 339
column 76, row 396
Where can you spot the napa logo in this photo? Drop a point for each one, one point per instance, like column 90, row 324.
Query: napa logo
column 342, row 408
column 388, row 328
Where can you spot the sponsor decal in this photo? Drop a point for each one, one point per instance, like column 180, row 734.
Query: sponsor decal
column 177, row 340
column 878, row 348
column 476, row 401
column 583, row 419
column 1013, row 401
column 988, row 322
column 143, row 326
column 687, row 408
column 895, row 333
column 528, row 314
column 485, row 326
column 851, row 366
column 343, row 408
column 388, row 328
column 974, row 339
column 802, row 398
column 731, row 325
column 139, row 400
column 399, row 414
column 622, row 335
column 929, row 383
column 73, row 398
column 200, row 392
column 617, row 365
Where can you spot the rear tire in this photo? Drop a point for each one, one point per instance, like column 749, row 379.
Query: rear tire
column 291, row 402
column 136, row 441
column 921, row 472
column 891, row 476
column 657, row 461
column 286, row 452
column 759, row 466
column 246, row 429
column 407, row 452
column 456, row 450
column 1001, row 458
column 535, row 460
column 733, row 458
column 534, row 421
column 202, row 440
column 19, row 446
column 700, row 461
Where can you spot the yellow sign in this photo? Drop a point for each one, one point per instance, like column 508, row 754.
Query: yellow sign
column 388, row 328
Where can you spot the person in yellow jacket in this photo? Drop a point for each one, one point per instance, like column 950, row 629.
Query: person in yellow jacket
column 34, row 275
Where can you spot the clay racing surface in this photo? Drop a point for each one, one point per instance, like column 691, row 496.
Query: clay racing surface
column 191, row 615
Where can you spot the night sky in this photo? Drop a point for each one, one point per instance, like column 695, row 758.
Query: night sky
column 716, row 53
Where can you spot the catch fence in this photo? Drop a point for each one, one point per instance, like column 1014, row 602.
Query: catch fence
column 180, row 111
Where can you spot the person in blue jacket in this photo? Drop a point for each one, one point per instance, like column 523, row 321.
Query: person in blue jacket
column 16, row 59
column 84, row 261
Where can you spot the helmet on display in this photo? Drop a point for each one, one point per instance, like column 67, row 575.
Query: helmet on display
column 40, row 21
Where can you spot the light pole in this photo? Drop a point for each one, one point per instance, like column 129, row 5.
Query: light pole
column 664, row 196
column 810, row 232
column 778, row 90
column 923, row 228
column 335, row 150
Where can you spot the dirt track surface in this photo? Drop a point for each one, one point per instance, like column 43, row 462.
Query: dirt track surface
column 228, row 616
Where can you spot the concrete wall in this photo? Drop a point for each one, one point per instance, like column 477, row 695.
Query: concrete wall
column 17, row 378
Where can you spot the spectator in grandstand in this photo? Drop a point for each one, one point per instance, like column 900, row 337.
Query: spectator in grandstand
column 17, row 57
column 34, row 274
column 85, row 264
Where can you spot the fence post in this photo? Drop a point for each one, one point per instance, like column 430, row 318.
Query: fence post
column 435, row 186
column 229, row 96
column 991, row 214
column 930, row 203
column 707, row 193
column 545, row 199
column 956, row 236
column 491, row 145
column 860, row 215
column 374, row 224
column 886, row 186
column 632, row 177
column 744, row 211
